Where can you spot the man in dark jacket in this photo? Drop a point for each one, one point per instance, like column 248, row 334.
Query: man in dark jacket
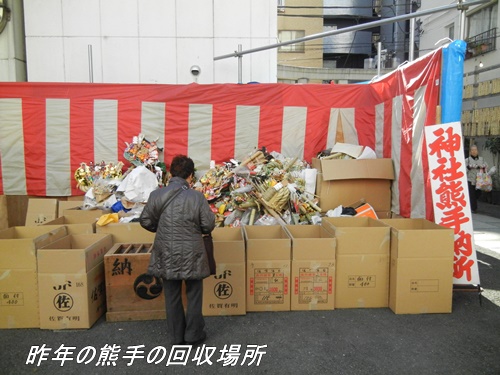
column 180, row 216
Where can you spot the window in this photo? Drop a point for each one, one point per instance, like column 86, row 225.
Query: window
column 482, row 20
column 482, row 24
column 451, row 31
column 286, row 35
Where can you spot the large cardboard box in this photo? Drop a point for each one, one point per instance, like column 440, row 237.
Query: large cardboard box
column 421, row 276
column 224, row 293
column 71, row 281
column 74, row 202
column 343, row 182
column 362, row 267
column 268, row 268
column 84, row 216
column 127, row 233
column 131, row 293
column 313, row 267
column 74, row 225
column 18, row 273
column 40, row 211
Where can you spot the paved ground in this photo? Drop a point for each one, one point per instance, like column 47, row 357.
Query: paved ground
column 348, row 341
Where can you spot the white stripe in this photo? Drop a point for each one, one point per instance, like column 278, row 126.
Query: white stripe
column 294, row 131
column 332, row 127
column 350, row 132
column 12, row 147
column 58, row 166
column 106, row 131
column 200, row 134
column 153, row 122
column 379, row 130
column 417, row 170
column 397, row 122
column 246, row 138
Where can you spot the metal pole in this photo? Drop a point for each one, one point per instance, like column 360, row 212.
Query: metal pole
column 91, row 64
column 379, row 57
column 462, row 8
column 411, row 51
column 240, row 58
column 363, row 26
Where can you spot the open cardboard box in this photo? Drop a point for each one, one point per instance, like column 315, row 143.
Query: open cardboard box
column 341, row 182
column 313, row 267
column 224, row 293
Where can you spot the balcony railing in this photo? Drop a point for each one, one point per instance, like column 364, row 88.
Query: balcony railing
column 481, row 43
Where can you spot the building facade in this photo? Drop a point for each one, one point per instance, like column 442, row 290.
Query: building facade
column 345, row 57
column 153, row 41
column 481, row 94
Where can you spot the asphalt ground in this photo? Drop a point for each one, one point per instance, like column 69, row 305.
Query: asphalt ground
column 342, row 341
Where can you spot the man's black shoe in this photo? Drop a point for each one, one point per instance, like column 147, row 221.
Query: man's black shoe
column 199, row 341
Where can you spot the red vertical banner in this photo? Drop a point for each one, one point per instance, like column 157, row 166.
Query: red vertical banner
column 451, row 199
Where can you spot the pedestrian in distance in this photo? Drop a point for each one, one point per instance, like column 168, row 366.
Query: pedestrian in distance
column 474, row 164
column 180, row 216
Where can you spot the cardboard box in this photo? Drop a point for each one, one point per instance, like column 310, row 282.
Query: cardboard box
column 362, row 267
column 18, row 273
column 421, row 276
column 224, row 293
column 73, row 225
column 268, row 268
column 313, row 267
column 78, row 214
column 71, row 281
column 127, row 233
column 342, row 182
column 40, row 211
column 131, row 293
column 66, row 205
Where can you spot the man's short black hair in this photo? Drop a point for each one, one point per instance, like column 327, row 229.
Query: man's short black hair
column 182, row 166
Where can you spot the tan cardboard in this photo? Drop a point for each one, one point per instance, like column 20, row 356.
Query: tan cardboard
column 268, row 268
column 84, row 216
column 421, row 276
column 127, row 233
column 73, row 225
column 362, row 267
column 313, row 267
column 18, row 245
column 71, row 300
column 18, row 273
column 18, row 298
column 40, row 211
column 224, row 293
column 71, row 281
column 66, row 205
column 341, row 182
column 75, row 253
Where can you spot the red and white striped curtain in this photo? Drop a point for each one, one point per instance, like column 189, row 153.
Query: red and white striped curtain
column 48, row 129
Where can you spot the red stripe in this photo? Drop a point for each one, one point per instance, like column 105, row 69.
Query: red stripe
column 81, row 136
column 223, row 132
column 316, row 128
column 176, row 130
column 406, row 156
column 365, row 125
column 271, row 128
column 34, row 132
column 129, row 125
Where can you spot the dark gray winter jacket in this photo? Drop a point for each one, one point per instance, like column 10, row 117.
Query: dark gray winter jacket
column 178, row 250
